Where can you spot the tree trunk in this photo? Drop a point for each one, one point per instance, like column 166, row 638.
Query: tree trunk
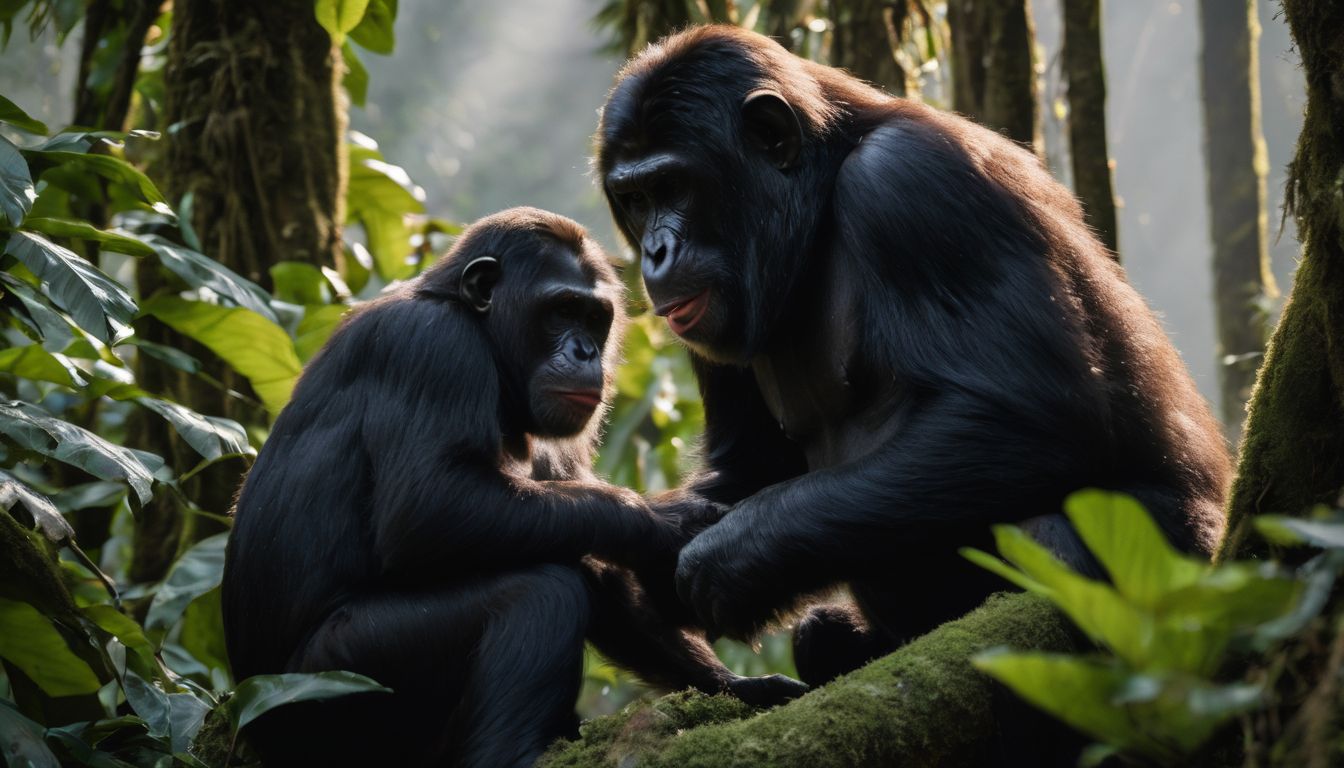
column 1292, row 456
column 257, row 139
column 866, row 38
column 1085, row 73
column 1236, row 161
column 1293, row 453
column 993, row 74
column 922, row 705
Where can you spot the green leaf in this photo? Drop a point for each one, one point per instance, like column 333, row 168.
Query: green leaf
column 10, row 113
column 23, row 741
column 316, row 327
column 1077, row 690
column 375, row 32
column 114, row 169
column 30, row 642
column 110, row 241
column 149, row 702
column 42, row 317
column 298, row 282
column 34, row 362
column 356, row 80
column 1095, row 607
column 1120, row 532
column 340, row 16
column 46, row 517
column 17, row 192
column 254, row 346
column 210, row 436
column 129, row 634
column 99, row 304
column 1325, row 530
column 380, row 196
column 172, row 356
column 35, row 430
column 199, row 570
column 258, row 695
column 200, row 271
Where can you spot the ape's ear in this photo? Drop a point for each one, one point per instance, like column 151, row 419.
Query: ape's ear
column 478, row 283
column 772, row 126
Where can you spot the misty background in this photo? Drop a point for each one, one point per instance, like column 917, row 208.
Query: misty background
column 490, row 105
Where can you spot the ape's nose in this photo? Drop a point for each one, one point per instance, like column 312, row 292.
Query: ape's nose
column 659, row 251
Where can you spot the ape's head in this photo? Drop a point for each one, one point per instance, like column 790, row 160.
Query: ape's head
column 713, row 161
column 551, row 307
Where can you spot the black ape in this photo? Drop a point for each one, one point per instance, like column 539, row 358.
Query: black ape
column 903, row 332
column 423, row 509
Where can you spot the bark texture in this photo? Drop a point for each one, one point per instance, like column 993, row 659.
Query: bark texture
column 866, row 39
column 1235, row 154
column 1085, row 72
column 1293, row 454
column 256, row 138
column 993, row 72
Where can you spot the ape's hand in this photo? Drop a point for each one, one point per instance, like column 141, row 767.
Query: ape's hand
column 733, row 591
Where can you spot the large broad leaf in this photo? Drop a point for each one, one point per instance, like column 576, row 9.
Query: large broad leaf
column 42, row 317
column 31, row 643
column 254, row 346
column 299, row 282
column 258, row 695
column 1162, row 716
column 10, row 112
column 16, row 185
column 316, row 327
column 110, row 241
column 34, row 362
column 199, row 570
column 22, row 742
column 338, row 17
column 375, row 31
column 210, row 436
column 380, row 196
column 113, row 169
column 99, row 304
column 141, row 652
column 36, row 430
column 1120, row 532
column 200, row 271
column 1095, row 607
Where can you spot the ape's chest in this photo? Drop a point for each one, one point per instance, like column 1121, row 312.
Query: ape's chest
column 804, row 381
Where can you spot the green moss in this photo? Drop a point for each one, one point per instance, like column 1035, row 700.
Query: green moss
column 28, row 572
column 923, row 704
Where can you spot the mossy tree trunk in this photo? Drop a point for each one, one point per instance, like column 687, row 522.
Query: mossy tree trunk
column 1292, row 456
column 1236, row 159
column 922, row 705
column 993, row 71
column 1293, row 453
column 258, row 122
column 866, row 39
column 1085, row 72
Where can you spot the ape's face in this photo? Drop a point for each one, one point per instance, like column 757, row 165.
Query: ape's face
column 571, row 317
column 700, row 177
column 551, row 311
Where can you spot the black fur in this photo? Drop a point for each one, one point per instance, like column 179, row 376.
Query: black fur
column 424, row 513
column 903, row 332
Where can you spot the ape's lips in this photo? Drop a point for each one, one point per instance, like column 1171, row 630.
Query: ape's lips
column 683, row 314
column 587, row 399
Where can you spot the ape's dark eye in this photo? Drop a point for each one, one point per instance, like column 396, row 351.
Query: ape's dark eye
column 633, row 202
